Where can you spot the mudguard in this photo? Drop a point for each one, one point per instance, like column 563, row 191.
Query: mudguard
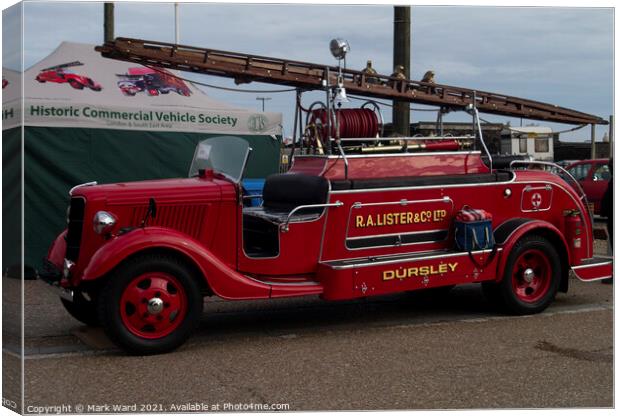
column 57, row 250
column 509, row 232
column 222, row 280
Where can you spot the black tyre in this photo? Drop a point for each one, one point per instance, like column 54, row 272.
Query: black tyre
column 531, row 278
column 82, row 309
column 150, row 305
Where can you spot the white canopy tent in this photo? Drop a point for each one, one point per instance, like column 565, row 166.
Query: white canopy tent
column 76, row 87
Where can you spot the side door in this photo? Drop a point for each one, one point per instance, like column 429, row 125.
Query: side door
column 599, row 178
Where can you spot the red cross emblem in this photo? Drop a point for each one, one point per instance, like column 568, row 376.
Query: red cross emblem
column 536, row 200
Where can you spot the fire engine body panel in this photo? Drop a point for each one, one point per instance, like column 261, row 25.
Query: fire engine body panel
column 381, row 227
column 138, row 257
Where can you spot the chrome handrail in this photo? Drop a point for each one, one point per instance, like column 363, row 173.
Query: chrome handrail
column 391, row 139
column 477, row 118
column 583, row 196
column 284, row 225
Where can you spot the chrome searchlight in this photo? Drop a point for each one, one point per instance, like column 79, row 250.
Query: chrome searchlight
column 339, row 48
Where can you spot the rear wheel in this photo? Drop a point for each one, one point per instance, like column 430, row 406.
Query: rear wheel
column 151, row 305
column 82, row 309
column 531, row 278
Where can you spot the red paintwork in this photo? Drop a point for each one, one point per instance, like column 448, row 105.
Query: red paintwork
column 389, row 166
column 56, row 252
column 369, row 280
column 573, row 232
column 76, row 81
column 594, row 189
column 202, row 220
column 134, row 305
column 602, row 270
column 539, row 226
column 223, row 280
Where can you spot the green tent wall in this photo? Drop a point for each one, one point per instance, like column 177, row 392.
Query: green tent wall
column 56, row 159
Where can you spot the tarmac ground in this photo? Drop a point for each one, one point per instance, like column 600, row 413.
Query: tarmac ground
column 404, row 351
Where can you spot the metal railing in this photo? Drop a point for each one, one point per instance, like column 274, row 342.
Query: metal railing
column 583, row 195
column 285, row 224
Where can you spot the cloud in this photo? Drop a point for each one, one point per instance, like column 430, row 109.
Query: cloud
column 558, row 55
column 11, row 37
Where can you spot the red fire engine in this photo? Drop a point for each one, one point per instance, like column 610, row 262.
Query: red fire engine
column 355, row 216
column 60, row 74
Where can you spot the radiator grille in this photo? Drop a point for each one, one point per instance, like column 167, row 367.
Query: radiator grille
column 185, row 218
column 74, row 228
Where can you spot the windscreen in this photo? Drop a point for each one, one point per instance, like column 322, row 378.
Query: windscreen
column 224, row 154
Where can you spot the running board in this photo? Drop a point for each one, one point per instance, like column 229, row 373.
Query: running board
column 288, row 286
column 344, row 279
column 596, row 268
column 406, row 257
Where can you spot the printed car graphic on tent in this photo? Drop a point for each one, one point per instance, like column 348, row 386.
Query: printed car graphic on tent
column 153, row 81
column 60, row 74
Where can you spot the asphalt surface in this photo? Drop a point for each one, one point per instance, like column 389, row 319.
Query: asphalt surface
column 406, row 351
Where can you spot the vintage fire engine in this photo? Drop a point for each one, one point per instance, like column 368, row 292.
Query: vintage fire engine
column 355, row 216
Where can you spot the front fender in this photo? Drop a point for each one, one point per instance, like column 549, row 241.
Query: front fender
column 56, row 252
column 224, row 281
column 511, row 231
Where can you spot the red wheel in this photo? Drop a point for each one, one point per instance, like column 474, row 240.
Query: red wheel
column 150, row 304
column 531, row 278
column 153, row 305
column 531, row 275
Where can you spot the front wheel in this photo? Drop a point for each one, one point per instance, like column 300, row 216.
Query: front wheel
column 531, row 278
column 150, row 305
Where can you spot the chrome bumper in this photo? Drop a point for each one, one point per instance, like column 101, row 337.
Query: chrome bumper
column 52, row 276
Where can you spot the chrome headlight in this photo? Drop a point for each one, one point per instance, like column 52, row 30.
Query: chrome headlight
column 103, row 222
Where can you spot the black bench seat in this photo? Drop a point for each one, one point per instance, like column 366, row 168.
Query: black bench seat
column 283, row 193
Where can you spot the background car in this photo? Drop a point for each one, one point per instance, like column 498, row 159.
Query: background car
column 593, row 176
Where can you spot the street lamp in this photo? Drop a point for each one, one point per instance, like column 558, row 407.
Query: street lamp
column 263, row 99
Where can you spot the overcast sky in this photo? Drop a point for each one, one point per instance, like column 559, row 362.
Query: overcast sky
column 559, row 55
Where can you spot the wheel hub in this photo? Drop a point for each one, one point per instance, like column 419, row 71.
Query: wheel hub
column 528, row 275
column 155, row 306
